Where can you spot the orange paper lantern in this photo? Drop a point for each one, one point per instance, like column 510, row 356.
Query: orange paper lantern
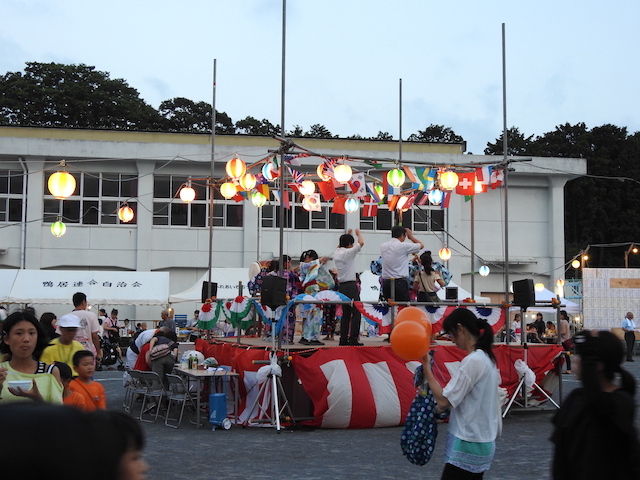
column 409, row 340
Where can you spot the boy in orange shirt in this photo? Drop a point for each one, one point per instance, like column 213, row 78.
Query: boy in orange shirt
column 93, row 392
column 70, row 397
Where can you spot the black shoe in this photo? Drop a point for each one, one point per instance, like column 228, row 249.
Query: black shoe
column 630, row 360
column 304, row 341
column 316, row 342
column 343, row 344
column 356, row 344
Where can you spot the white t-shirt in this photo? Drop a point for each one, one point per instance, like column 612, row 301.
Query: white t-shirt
column 395, row 263
column 344, row 258
column 88, row 325
column 473, row 394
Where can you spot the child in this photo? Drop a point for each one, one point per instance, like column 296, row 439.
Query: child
column 64, row 347
column 69, row 397
column 93, row 392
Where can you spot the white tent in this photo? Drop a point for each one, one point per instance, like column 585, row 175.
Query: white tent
column 370, row 289
column 546, row 296
column 54, row 287
column 7, row 278
column 227, row 280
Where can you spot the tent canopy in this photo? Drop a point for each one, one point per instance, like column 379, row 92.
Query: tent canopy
column 101, row 287
column 227, row 280
column 546, row 296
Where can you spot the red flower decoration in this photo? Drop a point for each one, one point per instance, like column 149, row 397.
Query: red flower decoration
column 239, row 299
column 206, row 307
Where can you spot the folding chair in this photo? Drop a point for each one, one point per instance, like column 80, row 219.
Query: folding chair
column 154, row 392
column 178, row 393
column 134, row 389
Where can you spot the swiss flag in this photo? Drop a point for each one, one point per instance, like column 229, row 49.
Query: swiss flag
column 370, row 207
column 466, row 183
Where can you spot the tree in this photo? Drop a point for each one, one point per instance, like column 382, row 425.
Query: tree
column 186, row 116
column 436, row 134
column 297, row 132
column 517, row 144
column 72, row 96
column 252, row 126
column 383, row 136
column 318, row 131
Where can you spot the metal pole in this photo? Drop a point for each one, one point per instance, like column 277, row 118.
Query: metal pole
column 395, row 216
column 282, row 170
column 211, row 175
column 473, row 243
column 506, row 170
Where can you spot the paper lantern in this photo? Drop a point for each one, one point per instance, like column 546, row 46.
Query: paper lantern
column 58, row 228
column 448, row 180
column 187, row 194
column 248, row 181
column 228, row 190
column 395, row 177
column 560, row 283
column 414, row 314
column 445, row 253
column 342, row 173
column 484, row 270
column 125, row 213
column 539, row 287
column 258, row 199
column 306, row 204
column 61, row 184
column 575, row 264
column 402, row 201
column 320, row 171
column 409, row 340
column 435, row 196
column 236, row 168
column 307, row 187
column 351, row 205
column 268, row 169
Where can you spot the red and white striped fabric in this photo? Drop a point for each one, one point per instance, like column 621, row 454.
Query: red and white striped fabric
column 357, row 387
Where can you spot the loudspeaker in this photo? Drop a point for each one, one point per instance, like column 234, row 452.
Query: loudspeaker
column 205, row 291
column 273, row 291
column 451, row 293
column 523, row 293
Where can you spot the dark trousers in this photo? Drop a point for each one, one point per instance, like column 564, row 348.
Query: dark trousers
column 350, row 323
column 451, row 472
column 401, row 289
column 630, row 339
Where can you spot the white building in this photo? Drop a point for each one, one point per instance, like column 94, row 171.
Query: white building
column 147, row 170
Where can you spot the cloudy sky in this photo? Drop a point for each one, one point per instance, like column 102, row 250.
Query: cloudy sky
column 567, row 61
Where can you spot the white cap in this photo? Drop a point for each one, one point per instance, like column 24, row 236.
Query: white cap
column 68, row 321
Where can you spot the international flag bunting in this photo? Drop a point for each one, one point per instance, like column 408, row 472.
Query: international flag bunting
column 424, row 199
column 446, row 199
column 298, row 177
column 483, row 174
column 431, row 178
column 241, row 196
column 338, row 205
column 358, row 185
column 327, row 190
column 385, row 183
column 392, row 201
column 370, row 207
column 314, row 202
column 295, row 187
column 411, row 173
column 466, row 183
column 497, row 177
column 294, row 160
column 263, row 189
column 373, row 193
column 328, row 167
column 276, row 194
column 420, row 173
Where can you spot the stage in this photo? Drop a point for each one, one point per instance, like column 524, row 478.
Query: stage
column 357, row 387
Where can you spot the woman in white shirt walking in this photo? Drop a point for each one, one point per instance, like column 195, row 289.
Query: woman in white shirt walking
column 472, row 395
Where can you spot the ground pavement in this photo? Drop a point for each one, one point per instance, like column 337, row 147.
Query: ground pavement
column 523, row 451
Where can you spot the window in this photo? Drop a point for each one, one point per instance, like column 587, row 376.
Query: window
column 11, row 185
column 168, row 209
column 419, row 219
column 96, row 200
column 300, row 219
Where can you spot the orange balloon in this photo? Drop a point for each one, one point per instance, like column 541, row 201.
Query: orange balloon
column 409, row 340
column 414, row 314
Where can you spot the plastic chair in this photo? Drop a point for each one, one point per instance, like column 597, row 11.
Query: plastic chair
column 178, row 393
column 154, row 391
column 134, row 389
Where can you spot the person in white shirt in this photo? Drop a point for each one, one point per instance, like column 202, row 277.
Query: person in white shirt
column 87, row 334
column 345, row 260
column 629, row 327
column 472, row 395
column 395, row 263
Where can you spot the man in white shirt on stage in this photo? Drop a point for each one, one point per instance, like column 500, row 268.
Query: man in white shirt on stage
column 395, row 263
column 345, row 260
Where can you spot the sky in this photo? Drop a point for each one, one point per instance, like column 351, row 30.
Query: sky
column 566, row 62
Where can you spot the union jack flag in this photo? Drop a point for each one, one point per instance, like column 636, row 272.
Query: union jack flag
column 298, row 177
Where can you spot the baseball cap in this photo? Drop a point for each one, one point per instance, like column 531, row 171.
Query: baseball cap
column 68, row 321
